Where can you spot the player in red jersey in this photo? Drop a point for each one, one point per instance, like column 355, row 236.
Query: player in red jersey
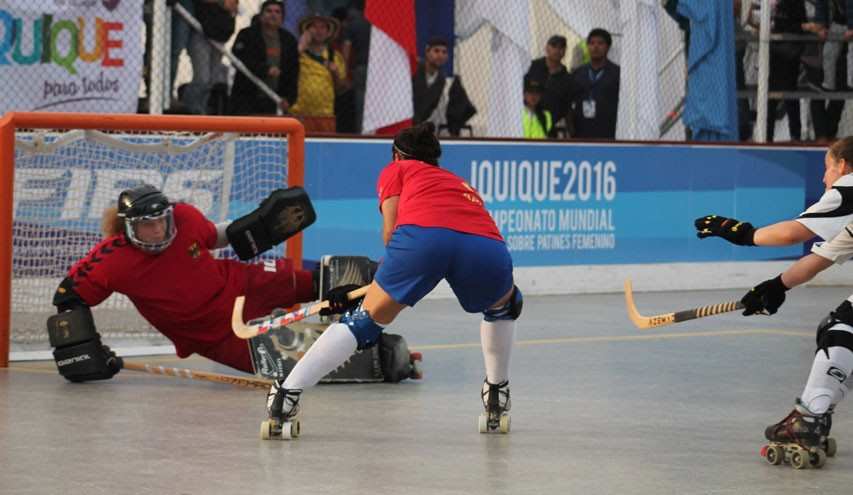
column 158, row 255
column 435, row 227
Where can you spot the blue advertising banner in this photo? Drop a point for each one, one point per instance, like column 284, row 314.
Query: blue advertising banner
column 556, row 204
column 562, row 204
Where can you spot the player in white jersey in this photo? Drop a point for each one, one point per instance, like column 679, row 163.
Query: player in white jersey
column 802, row 437
column 807, row 426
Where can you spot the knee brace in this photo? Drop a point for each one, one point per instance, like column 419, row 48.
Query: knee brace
column 509, row 311
column 363, row 328
column 829, row 336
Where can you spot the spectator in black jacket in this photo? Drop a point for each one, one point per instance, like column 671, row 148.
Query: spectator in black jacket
column 438, row 98
column 553, row 77
column 595, row 91
column 217, row 19
column 270, row 53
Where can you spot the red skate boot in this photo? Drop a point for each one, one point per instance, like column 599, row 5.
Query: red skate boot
column 800, row 439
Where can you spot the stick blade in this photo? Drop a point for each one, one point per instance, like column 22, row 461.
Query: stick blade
column 237, row 325
column 637, row 319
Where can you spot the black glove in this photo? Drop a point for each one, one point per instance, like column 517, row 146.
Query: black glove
column 734, row 231
column 766, row 296
column 79, row 354
column 87, row 361
column 338, row 302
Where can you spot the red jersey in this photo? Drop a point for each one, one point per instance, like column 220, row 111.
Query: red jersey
column 183, row 291
column 431, row 196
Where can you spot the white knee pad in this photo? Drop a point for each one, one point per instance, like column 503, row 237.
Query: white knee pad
column 829, row 377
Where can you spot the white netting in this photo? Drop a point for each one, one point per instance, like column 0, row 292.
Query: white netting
column 65, row 180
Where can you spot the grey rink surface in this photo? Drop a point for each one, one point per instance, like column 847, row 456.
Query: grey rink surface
column 598, row 407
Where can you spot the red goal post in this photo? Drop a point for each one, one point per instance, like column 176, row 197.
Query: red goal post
column 12, row 122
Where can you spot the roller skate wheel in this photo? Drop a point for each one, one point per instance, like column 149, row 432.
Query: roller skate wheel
column 417, row 372
column 483, row 423
column 290, row 430
column 774, row 454
column 831, row 447
column 800, row 458
column 415, row 356
column 503, row 426
column 265, row 430
column 817, row 458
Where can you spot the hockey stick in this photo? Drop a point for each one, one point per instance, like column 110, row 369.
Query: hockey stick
column 644, row 322
column 199, row 375
column 245, row 331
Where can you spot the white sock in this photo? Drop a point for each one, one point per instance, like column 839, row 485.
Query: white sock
column 331, row 350
column 496, row 338
column 825, row 386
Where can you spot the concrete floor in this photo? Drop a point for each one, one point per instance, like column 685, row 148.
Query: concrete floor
column 598, row 407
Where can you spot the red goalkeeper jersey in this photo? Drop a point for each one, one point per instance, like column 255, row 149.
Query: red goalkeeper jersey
column 184, row 292
column 431, row 196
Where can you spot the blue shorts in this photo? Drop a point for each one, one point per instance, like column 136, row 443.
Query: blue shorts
column 478, row 269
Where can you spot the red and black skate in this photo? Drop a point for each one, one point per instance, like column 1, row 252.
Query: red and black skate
column 800, row 439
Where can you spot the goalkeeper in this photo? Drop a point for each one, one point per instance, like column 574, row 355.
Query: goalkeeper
column 157, row 253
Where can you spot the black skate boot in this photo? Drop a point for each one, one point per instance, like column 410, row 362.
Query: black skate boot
column 799, row 439
column 282, row 408
column 496, row 403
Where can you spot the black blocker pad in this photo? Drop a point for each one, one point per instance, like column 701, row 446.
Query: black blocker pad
column 283, row 214
column 71, row 327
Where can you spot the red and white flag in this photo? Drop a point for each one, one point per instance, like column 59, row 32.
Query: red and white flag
column 391, row 63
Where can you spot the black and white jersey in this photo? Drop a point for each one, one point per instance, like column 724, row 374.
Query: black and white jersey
column 832, row 212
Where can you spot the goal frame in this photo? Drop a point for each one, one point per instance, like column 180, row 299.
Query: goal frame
column 295, row 160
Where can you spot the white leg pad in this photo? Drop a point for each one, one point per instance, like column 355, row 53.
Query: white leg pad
column 497, row 338
column 331, row 350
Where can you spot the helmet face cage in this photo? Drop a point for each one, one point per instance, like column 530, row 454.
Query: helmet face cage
column 166, row 214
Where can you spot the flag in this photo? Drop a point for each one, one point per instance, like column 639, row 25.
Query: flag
column 711, row 107
column 510, row 58
column 391, row 63
column 639, row 94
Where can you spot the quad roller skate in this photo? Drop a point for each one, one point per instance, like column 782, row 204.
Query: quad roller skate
column 800, row 439
column 496, row 403
column 282, row 406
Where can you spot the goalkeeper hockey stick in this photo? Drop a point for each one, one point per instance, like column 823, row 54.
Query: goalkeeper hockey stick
column 264, row 325
column 645, row 322
column 199, row 375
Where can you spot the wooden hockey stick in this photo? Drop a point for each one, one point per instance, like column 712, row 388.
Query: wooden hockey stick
column 644, row 322
column 199, row 375
column 245, row 331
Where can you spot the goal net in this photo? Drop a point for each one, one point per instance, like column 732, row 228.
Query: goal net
column 64, row 178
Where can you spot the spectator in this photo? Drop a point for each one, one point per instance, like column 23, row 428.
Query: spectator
column 787, row 17
column 830, row 18
column 744, row 119
column 217, row 18
column 553, row 79
column 355, row 49
column 322, row 72
column 181, row 32
column 536, row 120
column 438, row 98
column 594, row 93
column 270, row 53
column 344, row 97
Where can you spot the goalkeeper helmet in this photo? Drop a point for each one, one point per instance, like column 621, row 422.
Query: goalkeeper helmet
column 148, row 218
